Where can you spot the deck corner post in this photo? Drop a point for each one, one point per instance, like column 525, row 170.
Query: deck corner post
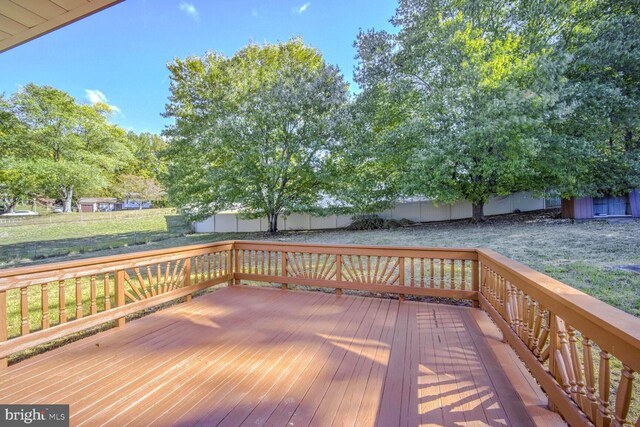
column 120, row 301
column 475, row 282
column 187, row 277
column 339, row 273
column 3, row 325
column 401, row 276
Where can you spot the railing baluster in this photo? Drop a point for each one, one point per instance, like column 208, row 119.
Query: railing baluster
column 581, row 393
column 158, row 278
column 78, row 298
column 432, row 273
column 452, row 273
column 24, row 311
column 264, row 262
column 412, row 272
column 44, row 299
column 62, row 312
column 603, row 417
column 93, row 294
column 107, row 291
column 269, row 263
column 623, row 397
column 592, row 403
column 463, row 274
column 441, row 273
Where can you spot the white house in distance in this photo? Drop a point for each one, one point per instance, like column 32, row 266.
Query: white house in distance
column 97, row 204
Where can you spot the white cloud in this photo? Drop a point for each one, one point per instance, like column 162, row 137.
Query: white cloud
column 96, row 96
column 190, row 10
column 301, row 9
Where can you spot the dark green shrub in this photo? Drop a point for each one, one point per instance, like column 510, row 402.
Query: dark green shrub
column 366, row 222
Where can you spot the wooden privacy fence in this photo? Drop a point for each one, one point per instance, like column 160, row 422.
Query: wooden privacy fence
column 583, row 352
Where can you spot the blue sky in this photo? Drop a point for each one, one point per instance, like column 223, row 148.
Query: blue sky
column 120, row 54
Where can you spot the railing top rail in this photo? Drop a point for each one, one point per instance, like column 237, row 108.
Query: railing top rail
column 571, row 304
column 132, row 256
column 470, row 251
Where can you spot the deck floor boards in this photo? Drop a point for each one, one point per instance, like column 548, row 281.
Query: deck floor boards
column 262, row 356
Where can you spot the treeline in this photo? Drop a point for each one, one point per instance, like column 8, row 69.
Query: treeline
column 52, row 146
column 467, row 99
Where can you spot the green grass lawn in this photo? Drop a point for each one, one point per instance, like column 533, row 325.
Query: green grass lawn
column 27, row 242
column 583, row 255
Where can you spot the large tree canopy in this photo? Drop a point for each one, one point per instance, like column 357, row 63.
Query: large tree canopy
column 72, row 146
column 594, row 147
column 475, row 92
column 252, row 131
column 501, row 96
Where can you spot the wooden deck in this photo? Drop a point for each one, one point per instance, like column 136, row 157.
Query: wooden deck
column 255, row 356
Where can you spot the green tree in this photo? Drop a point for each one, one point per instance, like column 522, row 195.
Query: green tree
column 147, row 150
column 594, row 149
column 139, row 188
column 252, row 131
column 370, row 157
column 477, row 94
column 20, row 179
column 78, row 149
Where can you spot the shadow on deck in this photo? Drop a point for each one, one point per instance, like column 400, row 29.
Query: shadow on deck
column 256, row 356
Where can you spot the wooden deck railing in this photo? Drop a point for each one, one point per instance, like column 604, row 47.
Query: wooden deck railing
column 41, row 303
column 583, row 352
column 448, row 273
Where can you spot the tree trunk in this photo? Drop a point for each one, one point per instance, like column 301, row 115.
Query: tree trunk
column 68, row 196
column 273, row 222
column 478, row 213
column 11, row 205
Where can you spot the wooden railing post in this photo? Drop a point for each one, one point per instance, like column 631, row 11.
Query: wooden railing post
column 120, row 301
column 339, row 273
column 401, row 275
column 284, row 270
column 236, row 265
column 475, row 281
column 3, row 324
column 187, row 278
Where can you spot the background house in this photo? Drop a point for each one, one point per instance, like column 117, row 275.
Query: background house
column 602, row 207
column 96, row 204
